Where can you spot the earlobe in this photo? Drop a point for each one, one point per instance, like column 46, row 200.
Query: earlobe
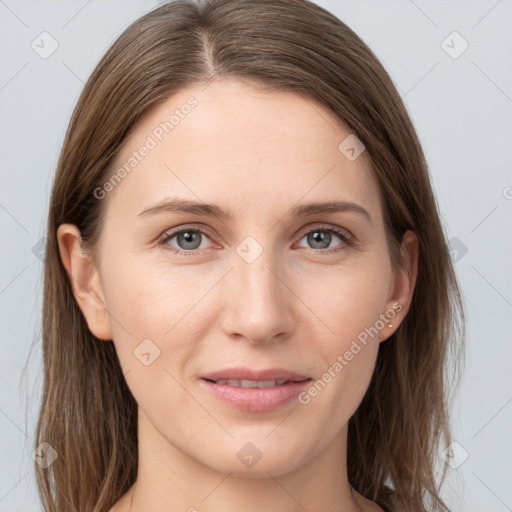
column 404, row 283
column 85, row 281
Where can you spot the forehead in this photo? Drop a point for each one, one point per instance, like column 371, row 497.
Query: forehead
column 233, row 144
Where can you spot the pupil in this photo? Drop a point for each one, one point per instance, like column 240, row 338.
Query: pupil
column 320, row 237
column 187, row 239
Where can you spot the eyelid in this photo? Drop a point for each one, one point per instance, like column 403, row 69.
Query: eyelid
column 348, row 239
column 320, row 226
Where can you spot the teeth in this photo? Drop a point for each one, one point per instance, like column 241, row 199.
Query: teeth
column 252, row 384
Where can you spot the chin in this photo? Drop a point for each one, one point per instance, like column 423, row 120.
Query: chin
column 257, row 460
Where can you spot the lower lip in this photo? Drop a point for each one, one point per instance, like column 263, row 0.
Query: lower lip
column 255, row 400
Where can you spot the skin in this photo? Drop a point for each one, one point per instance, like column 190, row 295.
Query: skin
column 295, row 307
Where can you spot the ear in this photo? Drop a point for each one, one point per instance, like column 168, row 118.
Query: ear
column 85, row 281
column 403, row 284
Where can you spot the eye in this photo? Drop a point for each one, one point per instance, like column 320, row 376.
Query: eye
column 189, row 240
column 320, row 238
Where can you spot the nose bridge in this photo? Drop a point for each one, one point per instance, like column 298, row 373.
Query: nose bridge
column 257, row 308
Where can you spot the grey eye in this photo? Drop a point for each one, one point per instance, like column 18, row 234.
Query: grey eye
column 321, row 237
column 188, row 239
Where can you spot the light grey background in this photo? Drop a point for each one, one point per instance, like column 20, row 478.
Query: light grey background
column 461, row 108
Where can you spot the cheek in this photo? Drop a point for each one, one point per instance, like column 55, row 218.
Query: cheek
column 349, row 298
column 162, row 309
column 151, row 297
column 348, row 302
column 153, row 333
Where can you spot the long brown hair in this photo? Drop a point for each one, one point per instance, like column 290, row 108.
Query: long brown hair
column 88, row 415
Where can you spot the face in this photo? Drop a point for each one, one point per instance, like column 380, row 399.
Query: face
column 266, row 285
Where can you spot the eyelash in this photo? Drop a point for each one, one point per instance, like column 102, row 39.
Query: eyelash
column 347, row 239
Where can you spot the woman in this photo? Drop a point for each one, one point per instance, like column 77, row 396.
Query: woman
column 249, row 302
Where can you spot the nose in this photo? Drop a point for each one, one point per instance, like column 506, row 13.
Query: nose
column 257, row 305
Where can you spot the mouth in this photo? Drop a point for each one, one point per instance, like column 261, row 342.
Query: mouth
column 254, row 391
column 252, row 384
column 275, row 375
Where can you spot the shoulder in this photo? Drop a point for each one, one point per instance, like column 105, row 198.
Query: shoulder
column 120, row 506
column 366, row 504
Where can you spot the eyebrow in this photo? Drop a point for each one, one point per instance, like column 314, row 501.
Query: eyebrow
column 177, row 205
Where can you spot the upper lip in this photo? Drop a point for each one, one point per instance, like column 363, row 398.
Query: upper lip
column 258, row 375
